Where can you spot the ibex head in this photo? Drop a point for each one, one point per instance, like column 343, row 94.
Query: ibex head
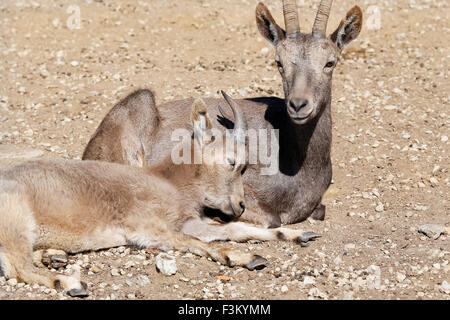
column 306, row 61
column 220, row 172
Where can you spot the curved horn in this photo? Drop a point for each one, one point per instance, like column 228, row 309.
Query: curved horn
column 291, row 17
column 320, row 24
column 240, row 126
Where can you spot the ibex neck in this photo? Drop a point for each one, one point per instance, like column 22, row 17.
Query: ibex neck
column 313, row 140
column 182, row 176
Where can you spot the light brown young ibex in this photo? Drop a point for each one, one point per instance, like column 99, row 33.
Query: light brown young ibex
column 137, row 132
column 78, row 206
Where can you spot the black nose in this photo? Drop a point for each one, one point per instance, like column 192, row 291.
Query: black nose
column 242, row 204
column 298, row 104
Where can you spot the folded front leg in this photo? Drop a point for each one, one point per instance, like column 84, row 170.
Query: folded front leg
column 168, row 239
column 240, row 232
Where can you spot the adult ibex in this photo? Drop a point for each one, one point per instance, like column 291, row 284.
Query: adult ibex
column 76, row 206
column 137, row 132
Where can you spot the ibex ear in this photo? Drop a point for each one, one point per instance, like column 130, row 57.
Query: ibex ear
column 201, row 122
column 267, row 25
column 349, row 28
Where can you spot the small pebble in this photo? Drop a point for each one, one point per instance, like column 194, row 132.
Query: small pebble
column 166, row 264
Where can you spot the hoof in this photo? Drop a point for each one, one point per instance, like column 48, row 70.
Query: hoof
column 307, row 237
column 79, row 292
column 59, row 261
column 54, row 259
column 319, row 213
column 257, row 263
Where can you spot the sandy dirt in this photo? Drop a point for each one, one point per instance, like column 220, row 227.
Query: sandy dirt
column 391, row 96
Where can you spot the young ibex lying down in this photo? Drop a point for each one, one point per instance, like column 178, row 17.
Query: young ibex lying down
column 77, row 206
column 137, row 132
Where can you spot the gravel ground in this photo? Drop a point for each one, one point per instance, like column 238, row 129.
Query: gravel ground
column 390, row 124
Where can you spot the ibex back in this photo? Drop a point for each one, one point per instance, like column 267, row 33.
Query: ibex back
column 137, row 132
column 78, row 206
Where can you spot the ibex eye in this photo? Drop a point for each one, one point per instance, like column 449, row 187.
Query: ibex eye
column 329, row 64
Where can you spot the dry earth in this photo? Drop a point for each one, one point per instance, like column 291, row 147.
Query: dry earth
column 390, row 154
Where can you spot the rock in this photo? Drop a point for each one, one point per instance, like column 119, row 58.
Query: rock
column 350, row 246
column 265, row 51
column 379, row 208
column 141, row 281
column 284, row 289
column 445, row 286
column 166, row 264
column 308, row 280
column 374, row 277
column 432, row 231
column 56, row 22
column 434, row 181
column 348, row 295
column 358, row 283
column 12, row 282
column 115, row 272
column 435, row 169
column 400, row 277
column 337, row 260
column 95, row 269
column 316, row 293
